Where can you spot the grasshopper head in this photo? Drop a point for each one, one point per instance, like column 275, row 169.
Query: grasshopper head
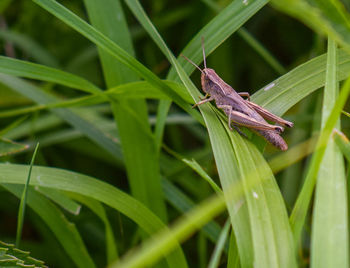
column 209, row 73
column 208, row 79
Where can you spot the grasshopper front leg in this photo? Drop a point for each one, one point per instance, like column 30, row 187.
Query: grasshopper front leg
column 269, row 116
column 247, row 121
column 204, row 100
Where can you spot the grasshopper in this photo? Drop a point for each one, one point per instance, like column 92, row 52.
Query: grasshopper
column 242, row 112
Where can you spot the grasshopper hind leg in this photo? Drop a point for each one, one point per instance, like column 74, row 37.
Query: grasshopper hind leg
column 235, row 126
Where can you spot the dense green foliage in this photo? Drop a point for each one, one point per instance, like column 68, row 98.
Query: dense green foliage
column 128, row 175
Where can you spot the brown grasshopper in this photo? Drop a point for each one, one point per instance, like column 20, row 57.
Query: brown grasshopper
column 240, row 111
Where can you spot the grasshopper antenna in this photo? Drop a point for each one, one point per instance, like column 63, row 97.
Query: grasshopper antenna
column 204, row 58
column 195, row 65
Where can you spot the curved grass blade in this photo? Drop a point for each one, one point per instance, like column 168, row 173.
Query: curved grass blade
column 60, row 199
column 330, row 219
column 8, row 147
column 281, row 94
column 215, row 258
column 250, row 39
column 30, row 47
column 234, row 164
column 65, row 231
column 98, row 209
column 215, row 32
column 13, row 125
column 74, row 118
column 22, row 205
column 302, row 204
column 272, row 237
column 84, row 185
column 164, row 241
column 183, row 204
column 262, row 51
column 36, row 71
column 343, row 143
column 133, row 90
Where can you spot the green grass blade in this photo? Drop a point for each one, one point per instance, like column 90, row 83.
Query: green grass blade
column 330, row 219
column 13, row 125
column 60, row 199
column 343, row 143
column 22, row 205
column 183, row 203
column 114, row 50
column 36, row 71
column 215, row 32
column 30, row 47
column 65, row 231
column 74, row 118
column 282, row 93
column 164, row 241
column 132, row 90
column 329, row 18
column 60, row 179
column 233, row 255
column 8, row 147
column 236, row 163
column 141, row 158
column 250, row 39
column 271, row 238
column 293, row 155
column 215, row 258
column 197, row 168
column 302, row 204
column 262, row 51
column 98, row 209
